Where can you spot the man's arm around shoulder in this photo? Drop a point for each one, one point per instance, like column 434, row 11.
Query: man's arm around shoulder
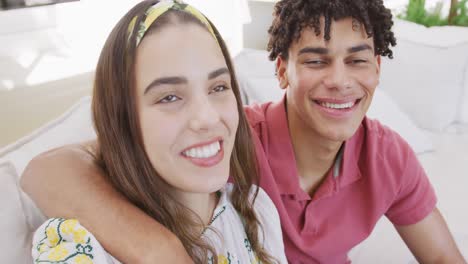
column 66, row 183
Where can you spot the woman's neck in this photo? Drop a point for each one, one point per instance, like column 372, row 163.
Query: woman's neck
column 202, row 204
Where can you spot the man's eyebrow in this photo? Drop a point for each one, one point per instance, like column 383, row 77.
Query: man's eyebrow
column 165, row 80
column 317, row 50
column 359, row 48
column 218, row 72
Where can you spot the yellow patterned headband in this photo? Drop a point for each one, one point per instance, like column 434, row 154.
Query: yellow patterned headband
column 159, row 9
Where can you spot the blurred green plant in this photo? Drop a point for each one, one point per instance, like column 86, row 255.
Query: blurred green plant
column 461, row 17
column 416, row 12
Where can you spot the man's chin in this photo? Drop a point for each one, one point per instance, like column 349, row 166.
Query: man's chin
column 338, row 134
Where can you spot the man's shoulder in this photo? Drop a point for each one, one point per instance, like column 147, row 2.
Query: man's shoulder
column 385, row 146
column 386, row 161
column 382, row 136
column 256, row 113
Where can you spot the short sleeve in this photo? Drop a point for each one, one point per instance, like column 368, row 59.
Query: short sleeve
column 271, row 233
column 416, row 198
column 61, row 240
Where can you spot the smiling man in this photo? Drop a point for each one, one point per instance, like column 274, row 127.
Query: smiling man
column 336, row 171
column 331, row 172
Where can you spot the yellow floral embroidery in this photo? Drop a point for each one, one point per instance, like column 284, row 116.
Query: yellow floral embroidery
column 43, row 248
column 255, row 261
column 58, row 253
column 68, row 226
column 222, row 259
column 52, row 236
column 63, row 241
column 79, row 235
column 83, row 259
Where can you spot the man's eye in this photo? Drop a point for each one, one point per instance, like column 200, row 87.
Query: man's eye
column 168, row 99
column 358, row 61
column 315, row 62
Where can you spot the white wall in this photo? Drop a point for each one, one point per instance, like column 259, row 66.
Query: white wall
column 255, row 33
column 48, row 54
column 228, row 16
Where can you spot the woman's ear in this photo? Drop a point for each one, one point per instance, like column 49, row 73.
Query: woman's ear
column 281, row 73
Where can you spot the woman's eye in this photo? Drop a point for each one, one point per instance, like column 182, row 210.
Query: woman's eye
column 169, row 99
column 220, row 88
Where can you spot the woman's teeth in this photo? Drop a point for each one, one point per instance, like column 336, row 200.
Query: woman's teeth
column 337, row 106
column 206, row 151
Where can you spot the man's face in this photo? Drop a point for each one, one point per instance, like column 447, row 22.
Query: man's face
column 330, row 84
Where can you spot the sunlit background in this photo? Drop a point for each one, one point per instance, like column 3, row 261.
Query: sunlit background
column 48, row 43
column 48, row 53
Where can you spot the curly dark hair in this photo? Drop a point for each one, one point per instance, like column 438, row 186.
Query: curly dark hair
column 292, row 16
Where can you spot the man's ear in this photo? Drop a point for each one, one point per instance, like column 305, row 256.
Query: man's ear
column 378, row 59
column 281, row 73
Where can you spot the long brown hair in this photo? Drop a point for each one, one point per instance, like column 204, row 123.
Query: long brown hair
column 121, row 153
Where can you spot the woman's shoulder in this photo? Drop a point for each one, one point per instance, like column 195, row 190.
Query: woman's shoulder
column 270, row 232
column 61, row 240
column 261, row 200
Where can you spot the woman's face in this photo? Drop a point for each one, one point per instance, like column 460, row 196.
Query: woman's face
column 187, row 109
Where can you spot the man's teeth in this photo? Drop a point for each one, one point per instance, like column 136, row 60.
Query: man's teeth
column 203, row 152
column 337, row 106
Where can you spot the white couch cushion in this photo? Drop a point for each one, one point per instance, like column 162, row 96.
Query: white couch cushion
column 426, row 77
column 259, row 84
column 463, row 117
column 387, row 111
column 73, row 126
column 437, row 36
column 15, row 238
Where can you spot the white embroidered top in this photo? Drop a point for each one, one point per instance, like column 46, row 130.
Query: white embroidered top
column 60, row 240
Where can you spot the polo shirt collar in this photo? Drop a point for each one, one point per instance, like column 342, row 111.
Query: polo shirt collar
column 280, row 153
column 349, row 170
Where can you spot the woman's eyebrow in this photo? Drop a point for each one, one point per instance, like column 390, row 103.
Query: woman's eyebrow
column 175, row 80
column 165, row 80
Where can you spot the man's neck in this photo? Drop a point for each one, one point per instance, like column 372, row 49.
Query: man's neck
column 314, row 154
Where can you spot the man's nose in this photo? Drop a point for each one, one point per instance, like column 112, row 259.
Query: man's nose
column 337, row 77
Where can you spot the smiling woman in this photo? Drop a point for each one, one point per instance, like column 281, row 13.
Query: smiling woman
column 191, row 94
column 170, row 132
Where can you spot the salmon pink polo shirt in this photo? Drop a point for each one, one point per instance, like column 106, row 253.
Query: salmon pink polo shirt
column 375, row 174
